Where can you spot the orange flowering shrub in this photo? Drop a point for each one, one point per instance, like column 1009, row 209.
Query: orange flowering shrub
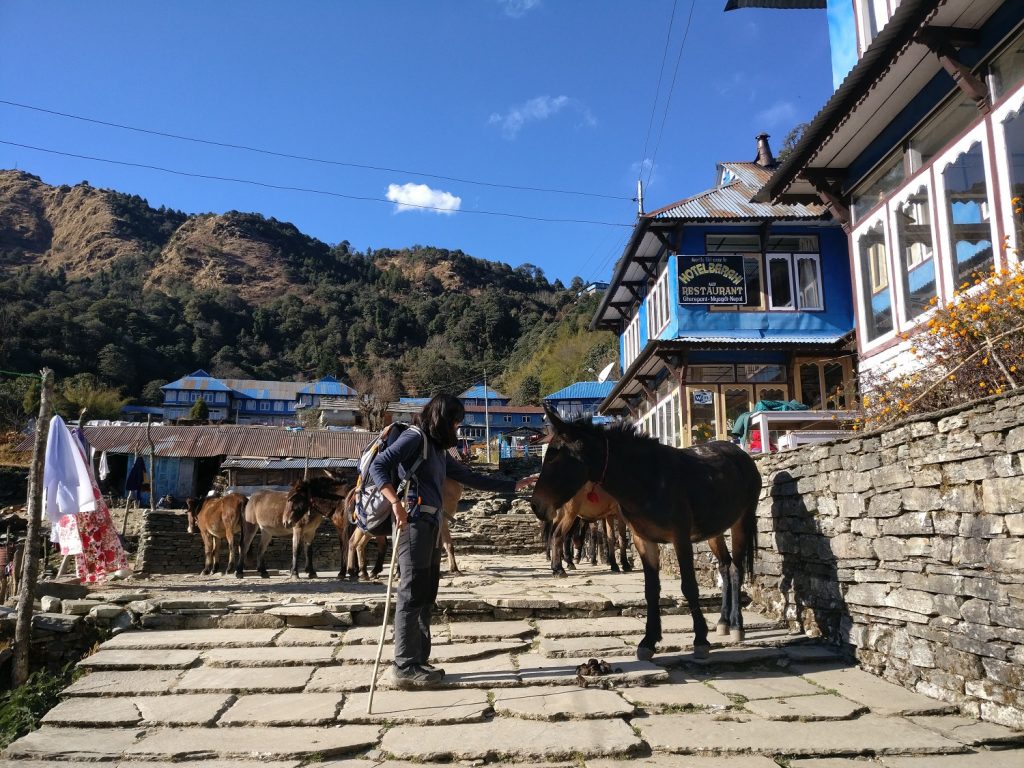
column 972, row 347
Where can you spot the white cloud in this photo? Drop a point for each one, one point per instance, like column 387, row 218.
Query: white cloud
column 537, row 109
column 420, row 197
column 781, row 114
column 517, row 8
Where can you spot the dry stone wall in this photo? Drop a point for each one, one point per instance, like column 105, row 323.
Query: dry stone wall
column 907, row 547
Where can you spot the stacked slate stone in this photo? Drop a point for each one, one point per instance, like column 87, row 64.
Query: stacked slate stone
column 907, row 547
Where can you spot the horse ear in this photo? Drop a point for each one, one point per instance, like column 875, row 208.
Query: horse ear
column 559, row 428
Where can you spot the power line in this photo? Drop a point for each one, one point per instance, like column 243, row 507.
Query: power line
column 310, row 190
column 308, row 159
column 657, row 90
column 671, row 89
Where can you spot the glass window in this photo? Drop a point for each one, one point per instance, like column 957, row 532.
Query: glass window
column 939, row 131
column 875, row 277
column 967, row 206
column 710, row 374
column 264, row 405
column 278, row 405
column 508, row 419
column 703, row 418
column 810, row 386
column 757, row 373
column 914, row 246
column 1014, row 132
column 780, row 283
column 835, row 377
column 808, row 281
column 1008, row 68
column 732, row 243
column 737, row 401
column 877, row 187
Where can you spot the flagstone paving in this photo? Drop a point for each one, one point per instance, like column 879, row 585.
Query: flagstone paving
column 291, row 696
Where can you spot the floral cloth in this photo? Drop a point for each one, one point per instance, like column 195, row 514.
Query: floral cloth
column 102, row 551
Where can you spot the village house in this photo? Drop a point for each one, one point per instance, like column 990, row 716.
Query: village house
column 919, row 154
column 580, row 399
column 246, row 401
column 720, row 303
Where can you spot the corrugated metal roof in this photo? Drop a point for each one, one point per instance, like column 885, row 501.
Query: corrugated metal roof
column 238, row 462
column 731, row 200
column 477, row 392
column 224, row 440
column 583, row 390
column 328, row 385
column 733, row 5
column 414, row 400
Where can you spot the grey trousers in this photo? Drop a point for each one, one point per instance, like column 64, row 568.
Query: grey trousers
column 419, row 559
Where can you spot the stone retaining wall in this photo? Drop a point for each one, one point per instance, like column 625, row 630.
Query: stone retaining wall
column 485, row 523
column 907, row 547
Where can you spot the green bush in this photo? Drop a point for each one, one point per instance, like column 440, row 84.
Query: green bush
column 21, row 708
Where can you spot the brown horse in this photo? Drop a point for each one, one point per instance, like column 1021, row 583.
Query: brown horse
column 219, row 518
column 591, row 504
column 667, row 495
column 354, row 540
column 297, row 512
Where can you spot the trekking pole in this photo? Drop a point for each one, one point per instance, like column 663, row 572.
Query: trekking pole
column 384, row 626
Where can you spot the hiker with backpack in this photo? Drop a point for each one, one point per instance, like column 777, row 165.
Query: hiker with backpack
column 419, row 460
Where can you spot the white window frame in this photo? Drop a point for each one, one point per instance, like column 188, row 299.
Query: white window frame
column 1014, row 105
column 264, row 405
column 921, row 179
column 978, row 135
column 795, row 273
column 788, row 258
column 863, row 303
column 658, row 311
column 631, row 341
column 507, row 419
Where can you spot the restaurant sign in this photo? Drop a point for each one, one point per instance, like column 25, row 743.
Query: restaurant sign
column 711, row 279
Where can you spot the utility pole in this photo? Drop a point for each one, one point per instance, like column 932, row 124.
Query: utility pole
column 487, row 419
column 640, row 197
column 30, row 563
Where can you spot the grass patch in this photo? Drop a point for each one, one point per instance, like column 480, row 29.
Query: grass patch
column 22, row 708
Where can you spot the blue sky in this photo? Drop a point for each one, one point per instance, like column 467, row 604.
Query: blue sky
column 537, row 93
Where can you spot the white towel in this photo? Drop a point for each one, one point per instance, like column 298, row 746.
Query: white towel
column 67, row 485
column 104, row 467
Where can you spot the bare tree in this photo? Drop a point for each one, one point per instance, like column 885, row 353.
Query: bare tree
column 377, row 390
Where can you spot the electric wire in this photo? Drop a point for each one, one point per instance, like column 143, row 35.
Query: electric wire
column 310, row 190
column 671, row 89
column 657, row 90
column 309, row 159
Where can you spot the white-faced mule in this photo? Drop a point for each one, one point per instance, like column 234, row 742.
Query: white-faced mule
column 675, row 496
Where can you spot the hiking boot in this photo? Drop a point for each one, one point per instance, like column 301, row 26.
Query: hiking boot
column 415, row 677
column 432, row 668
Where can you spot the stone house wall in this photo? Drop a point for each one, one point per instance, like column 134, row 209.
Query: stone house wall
column 907, row 546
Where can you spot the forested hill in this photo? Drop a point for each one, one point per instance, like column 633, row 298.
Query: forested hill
column 95, row 281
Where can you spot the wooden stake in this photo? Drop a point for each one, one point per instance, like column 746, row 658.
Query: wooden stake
column 30, row 563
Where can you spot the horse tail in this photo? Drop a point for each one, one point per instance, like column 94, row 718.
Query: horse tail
column 750, row 533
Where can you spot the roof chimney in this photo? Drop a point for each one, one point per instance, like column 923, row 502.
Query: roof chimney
column 764, row 152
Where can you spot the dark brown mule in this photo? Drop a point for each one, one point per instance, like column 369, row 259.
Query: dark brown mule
column 219, row 518
column 668, row 496
column 297, row 512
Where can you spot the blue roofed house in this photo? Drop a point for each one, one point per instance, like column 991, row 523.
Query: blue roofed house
column 478, row 394
column 580, row 399
column 248, row 401
column 719, row 303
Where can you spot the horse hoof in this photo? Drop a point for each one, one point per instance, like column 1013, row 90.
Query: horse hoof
column 615, row 568
column 723, row 628
column 570, row 566
column 560, row 575
column 736, row 635
column 644, row 653
column 626, row 567
column 311, row 575
column 264, row 575
column 701, row 651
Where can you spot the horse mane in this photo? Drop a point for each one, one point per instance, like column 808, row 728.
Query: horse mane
column 321, row 486
column 626, row 431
